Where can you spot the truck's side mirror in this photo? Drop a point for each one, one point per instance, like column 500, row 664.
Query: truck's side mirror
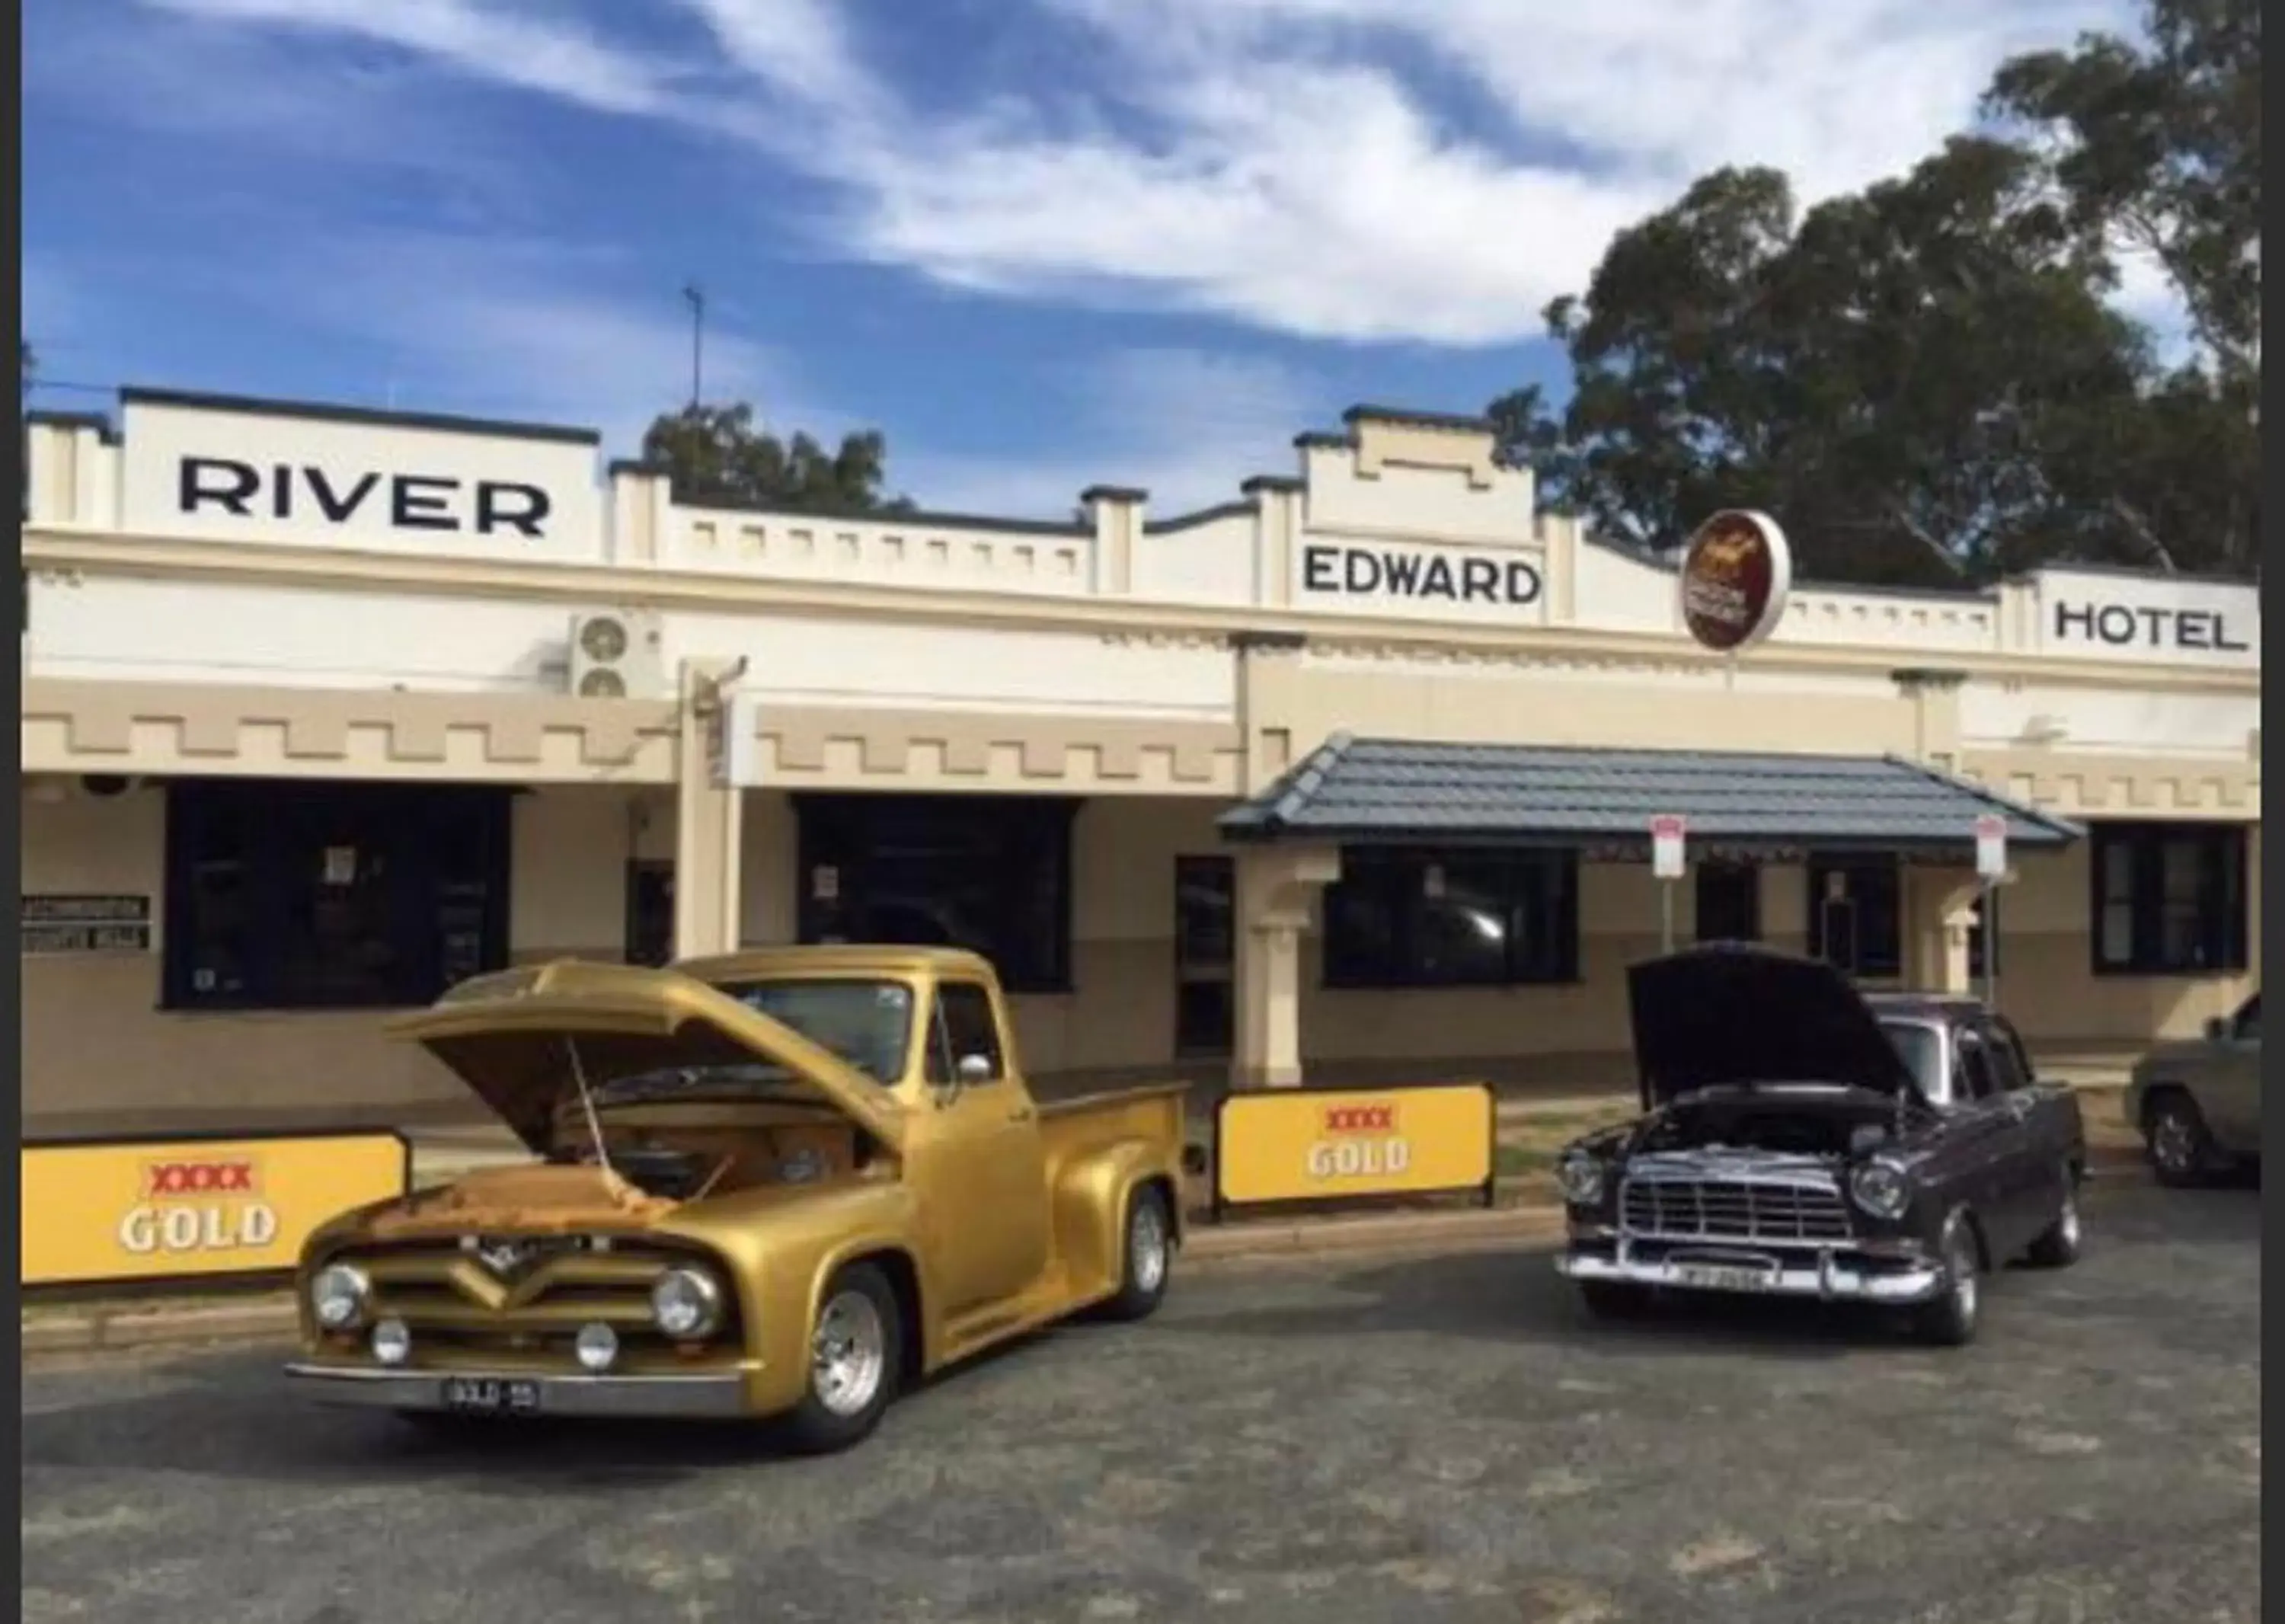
column 974, row 1069
column 2216, row 1030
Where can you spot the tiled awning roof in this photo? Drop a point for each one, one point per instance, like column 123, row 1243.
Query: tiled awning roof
column 1397, row 791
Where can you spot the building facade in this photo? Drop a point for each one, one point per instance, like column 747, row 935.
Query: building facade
column 325, row 709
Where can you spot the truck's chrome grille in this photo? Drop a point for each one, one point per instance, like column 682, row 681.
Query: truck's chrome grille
column 1733, row 1209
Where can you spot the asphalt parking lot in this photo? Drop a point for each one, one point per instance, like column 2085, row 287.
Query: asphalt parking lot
column 1423, row 1439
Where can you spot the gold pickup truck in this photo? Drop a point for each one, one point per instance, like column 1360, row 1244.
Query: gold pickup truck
column 786, row 1182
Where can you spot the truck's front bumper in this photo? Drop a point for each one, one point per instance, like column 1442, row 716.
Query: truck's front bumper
column 1823, row 1275
column 720, row 1396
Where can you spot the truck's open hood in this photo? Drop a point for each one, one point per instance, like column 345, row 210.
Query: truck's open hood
column 1730, row 1014
column 510, row 1037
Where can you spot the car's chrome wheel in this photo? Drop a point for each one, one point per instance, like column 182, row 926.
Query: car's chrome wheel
column 2180, row 1148
column 848, row 1354
column 1952, row 1318
column 1146, row 1255
column 2058, row 1245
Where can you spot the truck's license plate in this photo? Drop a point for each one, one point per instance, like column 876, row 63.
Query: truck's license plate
column 486, row 1395
column 1714, row 1277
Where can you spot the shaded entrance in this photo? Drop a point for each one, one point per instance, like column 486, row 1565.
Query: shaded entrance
column 1847, row 820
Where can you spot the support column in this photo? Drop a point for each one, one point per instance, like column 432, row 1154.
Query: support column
column 1275, row 887
column 1939, row 909
column 710, row 811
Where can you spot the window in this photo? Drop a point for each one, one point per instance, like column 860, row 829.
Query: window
column 1413, row 918
column 1729, row 902
column 990, row 873
column 1978, row 1077
column 2010, row 1068
column 302, row 896
column 1854, row 916
column 2247, row 1026
column 1920, row 1045
column 2169, row 898
column 964, row 1026
column 867, row 1022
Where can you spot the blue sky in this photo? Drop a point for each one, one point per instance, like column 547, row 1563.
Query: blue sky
column 1040, row 243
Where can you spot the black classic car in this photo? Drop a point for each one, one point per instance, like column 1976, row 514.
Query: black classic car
column 1801, row 1138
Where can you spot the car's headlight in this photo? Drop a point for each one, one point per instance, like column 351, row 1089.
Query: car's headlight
column 1879, row 1188
column 687, row 1303
column 339, row 1296
column 1580, row 1177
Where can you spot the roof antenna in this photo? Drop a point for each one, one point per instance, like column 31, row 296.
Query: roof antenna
column 587, row 1101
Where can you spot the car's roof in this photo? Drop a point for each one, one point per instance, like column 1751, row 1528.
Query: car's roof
column 1944, row 1006
column 833, row 958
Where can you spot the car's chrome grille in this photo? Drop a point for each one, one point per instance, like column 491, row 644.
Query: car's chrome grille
column 1733, row 1209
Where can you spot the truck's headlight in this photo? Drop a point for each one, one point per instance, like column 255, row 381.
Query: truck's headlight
column 1580, row 1177
column 1879, row 1188
column 339, row 1295
column 687, row 1303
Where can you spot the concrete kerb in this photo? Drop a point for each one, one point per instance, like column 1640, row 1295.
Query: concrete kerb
column 128, row 1323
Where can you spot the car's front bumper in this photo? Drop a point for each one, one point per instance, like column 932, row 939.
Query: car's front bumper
column 718, row 1396
column 1822, row 1275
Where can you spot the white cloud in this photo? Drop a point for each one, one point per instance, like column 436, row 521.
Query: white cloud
column 1185, row 425
column 1267, row 161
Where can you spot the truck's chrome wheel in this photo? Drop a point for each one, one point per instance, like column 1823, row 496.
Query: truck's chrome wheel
column 1150, row 1247
column 848, row 1354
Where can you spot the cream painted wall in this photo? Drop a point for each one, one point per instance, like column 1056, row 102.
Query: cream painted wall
column 2167, row 724
column 1209, row 562
column 1122, row 1016
column 132, row 628
column 1438, row 503
column 1620, row 594
column 568, row 893
column 826, row 661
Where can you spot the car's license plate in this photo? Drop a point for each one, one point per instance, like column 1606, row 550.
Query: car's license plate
column 1718, row 1277
column 487, row 1395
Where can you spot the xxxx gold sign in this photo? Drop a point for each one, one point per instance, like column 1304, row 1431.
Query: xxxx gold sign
column 120, row 1210
column 1308, row 1145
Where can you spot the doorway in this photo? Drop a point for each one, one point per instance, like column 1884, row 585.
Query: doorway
column 650, row 910
column 1204, row 1013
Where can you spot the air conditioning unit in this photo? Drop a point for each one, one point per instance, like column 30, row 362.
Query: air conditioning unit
column 617, row 654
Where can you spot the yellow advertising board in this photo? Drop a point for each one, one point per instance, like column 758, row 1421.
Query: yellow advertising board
column 149, row 1210
column 1319, row 1145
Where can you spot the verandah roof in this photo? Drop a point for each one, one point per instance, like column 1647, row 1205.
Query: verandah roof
column 1394, row 791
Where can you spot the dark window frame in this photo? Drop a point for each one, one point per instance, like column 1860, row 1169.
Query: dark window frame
column 1888, row 868
column 1743, row 872
column 273, row 825
column 1022, row 842
column 1394, row 879
column 2223, row 902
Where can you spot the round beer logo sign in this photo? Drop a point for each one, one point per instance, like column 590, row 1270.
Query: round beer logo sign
column 1735, row 574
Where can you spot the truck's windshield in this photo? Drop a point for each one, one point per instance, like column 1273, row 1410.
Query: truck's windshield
column 867, row 1022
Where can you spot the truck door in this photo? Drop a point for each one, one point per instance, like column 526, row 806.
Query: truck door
column 988, row 1219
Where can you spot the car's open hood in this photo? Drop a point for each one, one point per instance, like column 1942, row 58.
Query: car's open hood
column 511, row 1037
column 1730, row 1014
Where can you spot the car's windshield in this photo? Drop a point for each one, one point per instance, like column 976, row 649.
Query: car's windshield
column 1920, row 1046
column 867, row 1022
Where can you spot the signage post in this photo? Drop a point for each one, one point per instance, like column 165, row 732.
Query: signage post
column 1991, row 868
column 1668, row 862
